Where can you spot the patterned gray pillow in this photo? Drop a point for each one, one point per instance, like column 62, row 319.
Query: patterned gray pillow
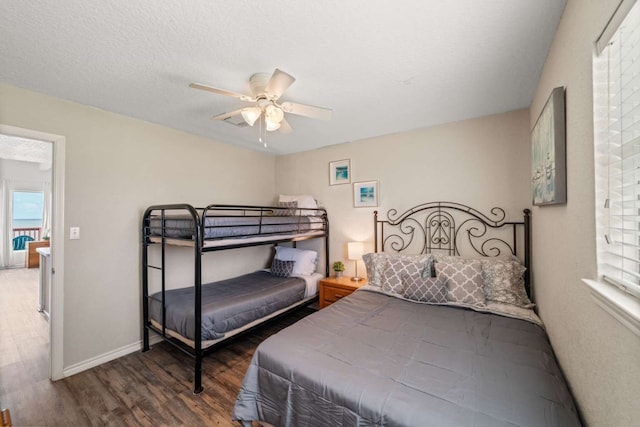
column 289, row 211
column 504, row 282
column 464, row 281
column 280, row 268
column 375, row 263
column 425, row 289
column 397, row 265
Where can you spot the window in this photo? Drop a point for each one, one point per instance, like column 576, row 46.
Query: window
column 27, row 209
column 617, row 149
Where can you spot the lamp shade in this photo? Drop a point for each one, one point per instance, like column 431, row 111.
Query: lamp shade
column 274, row 113
column 271, row 126
column 251, row 114
column 355, row 250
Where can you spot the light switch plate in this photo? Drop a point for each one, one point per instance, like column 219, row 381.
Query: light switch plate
column 74, row 233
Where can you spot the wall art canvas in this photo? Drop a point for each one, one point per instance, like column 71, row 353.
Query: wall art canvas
column 340, row 172
column 365, row 194
column 548, row 152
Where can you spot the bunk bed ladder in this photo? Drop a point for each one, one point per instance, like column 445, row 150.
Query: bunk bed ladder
column 145, row 281
column 145, row 278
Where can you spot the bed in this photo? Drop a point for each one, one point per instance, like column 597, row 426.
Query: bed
column 383, row 358
column 198, row 318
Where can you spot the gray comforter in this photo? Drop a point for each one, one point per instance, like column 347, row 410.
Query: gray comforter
column 227, row 304
column 234, row 226
column 375, row 360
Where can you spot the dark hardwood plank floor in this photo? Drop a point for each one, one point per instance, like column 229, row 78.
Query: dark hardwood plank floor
column 140, row 389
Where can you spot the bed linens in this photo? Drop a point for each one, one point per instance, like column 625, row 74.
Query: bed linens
column 181, row 226
column 227, row 304
column 372, row 359
column 311, row 282
column 240, row 241
column 503, row 309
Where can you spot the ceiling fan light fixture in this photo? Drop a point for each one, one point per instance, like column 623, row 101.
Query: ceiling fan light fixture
column 271, row 126
column 251, row 114
column 265, row 106
column 274, row 113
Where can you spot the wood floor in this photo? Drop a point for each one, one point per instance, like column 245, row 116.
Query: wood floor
column 148, row 389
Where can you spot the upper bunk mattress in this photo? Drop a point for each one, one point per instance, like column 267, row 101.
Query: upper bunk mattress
column 227, row 304
column 181, row 226
column 372, row 359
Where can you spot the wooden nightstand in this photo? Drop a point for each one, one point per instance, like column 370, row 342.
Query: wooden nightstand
column 332, row 289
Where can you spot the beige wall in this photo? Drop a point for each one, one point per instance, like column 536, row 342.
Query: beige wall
column 476, row 162
column 600, row 357
column 116, row 167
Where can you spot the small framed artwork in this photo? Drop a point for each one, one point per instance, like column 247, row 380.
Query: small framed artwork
column 365, row 194
column 549, row 153
column 340, row 172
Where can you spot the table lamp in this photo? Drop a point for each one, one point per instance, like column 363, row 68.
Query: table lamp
column 355, row 250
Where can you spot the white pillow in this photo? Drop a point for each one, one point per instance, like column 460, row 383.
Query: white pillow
column 306, row 261
column 304, row 201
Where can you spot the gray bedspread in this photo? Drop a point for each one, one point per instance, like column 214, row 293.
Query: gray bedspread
column 227, row 304
column 374, row 360
column 235, row 226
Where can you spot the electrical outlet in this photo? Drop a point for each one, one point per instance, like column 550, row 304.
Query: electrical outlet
column 74, row 233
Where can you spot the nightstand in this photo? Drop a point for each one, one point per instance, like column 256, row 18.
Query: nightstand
column 332, row 289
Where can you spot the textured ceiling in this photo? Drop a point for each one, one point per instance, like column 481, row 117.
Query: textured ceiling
column 25, row 150
column 383, row 67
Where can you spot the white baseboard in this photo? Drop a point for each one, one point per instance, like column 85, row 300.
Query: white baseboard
column 107, row 357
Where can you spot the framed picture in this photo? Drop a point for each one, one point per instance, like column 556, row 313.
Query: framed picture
column 340, row 172
column 365, row 194
column 549, row 153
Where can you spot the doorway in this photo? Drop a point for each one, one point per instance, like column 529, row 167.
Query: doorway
column 25, row 184
column 16, row 189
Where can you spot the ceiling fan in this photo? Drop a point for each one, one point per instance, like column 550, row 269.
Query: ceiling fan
column 265, row 92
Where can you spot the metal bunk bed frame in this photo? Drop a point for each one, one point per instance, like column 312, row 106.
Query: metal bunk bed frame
column 198, row 242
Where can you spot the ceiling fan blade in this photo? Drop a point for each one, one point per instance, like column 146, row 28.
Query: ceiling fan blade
column 225, row 116
column 285, row 127
column 307, row 110
column 278, row 83
column 240, row 96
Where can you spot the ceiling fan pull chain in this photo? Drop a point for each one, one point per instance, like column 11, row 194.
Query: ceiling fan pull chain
column 262, row 138
column 264, row 131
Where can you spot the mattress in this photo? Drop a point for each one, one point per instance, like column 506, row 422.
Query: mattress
column 228, row 304
column 218, row 227
column 208, row 343
column 375, row 360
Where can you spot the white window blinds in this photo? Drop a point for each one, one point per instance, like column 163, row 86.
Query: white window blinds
column 617, row 150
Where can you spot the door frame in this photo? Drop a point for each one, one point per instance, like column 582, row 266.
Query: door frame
column 56, row 319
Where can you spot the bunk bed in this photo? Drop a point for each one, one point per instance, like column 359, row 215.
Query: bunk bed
column 231, row 306
column 390, row 356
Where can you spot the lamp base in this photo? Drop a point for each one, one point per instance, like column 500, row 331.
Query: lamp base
column 356, row 279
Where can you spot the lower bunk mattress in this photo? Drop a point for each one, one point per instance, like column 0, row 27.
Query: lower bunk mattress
column 375, row 360
column 228, row 305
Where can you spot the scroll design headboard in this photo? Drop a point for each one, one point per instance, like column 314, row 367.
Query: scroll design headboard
column 455, row 229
